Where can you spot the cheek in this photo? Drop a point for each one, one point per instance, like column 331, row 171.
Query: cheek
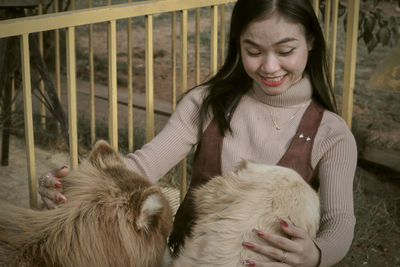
column 250, row 64
column 297, row 64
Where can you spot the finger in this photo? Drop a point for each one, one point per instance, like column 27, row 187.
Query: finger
column 277, row 241
column 48, row 203
column 292, row 230
column 61, row 172
column 269, row 251
column 52, row 194
column 264, row 264
column 49, row 181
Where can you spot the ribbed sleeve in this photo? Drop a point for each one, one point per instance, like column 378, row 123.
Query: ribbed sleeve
column 338, row 152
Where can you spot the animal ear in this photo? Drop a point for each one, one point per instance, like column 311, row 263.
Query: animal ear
column 152, row 205
column 103, row 156
column 246, row 164
column 242, row 165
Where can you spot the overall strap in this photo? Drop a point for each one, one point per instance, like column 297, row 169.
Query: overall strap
column 298, row 155
column 206, row 165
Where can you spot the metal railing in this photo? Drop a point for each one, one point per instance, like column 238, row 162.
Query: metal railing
column 110, row 14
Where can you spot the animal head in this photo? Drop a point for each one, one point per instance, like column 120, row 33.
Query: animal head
column 293, row 199
column 103, row 183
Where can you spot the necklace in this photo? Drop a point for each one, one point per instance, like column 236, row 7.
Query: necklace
column 277, row 127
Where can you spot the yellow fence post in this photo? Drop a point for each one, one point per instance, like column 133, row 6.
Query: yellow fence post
column 149, row 79
column 29, row 138
column 72, row 110
column 184, row 29
column 327, row 19
column 316, row 6
column 91, row 82
column 184, row 26
column 350, row 62
column 335, row 13
column 214, row 39
column 173, row 59
column 42, row 106
column 112, row 85
column 57, row 55
column 130, row 80
column 222, row 36
column 197, row 46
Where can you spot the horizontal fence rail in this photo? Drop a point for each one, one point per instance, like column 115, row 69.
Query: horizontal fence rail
column 110, row 14
column 81, row 17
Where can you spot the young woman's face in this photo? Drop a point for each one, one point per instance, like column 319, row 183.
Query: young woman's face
column 274, row 53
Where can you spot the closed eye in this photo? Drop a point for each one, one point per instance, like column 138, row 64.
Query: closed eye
column 253, row 54
column 285, row 53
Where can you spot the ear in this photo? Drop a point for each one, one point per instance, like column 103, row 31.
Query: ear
column 103, row 156
column 151, row 206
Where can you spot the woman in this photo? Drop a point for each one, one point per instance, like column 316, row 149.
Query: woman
column 271, row 102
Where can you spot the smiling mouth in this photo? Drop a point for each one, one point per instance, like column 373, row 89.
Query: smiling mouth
column 274, row 81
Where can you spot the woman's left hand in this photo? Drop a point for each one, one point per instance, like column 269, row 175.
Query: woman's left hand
column 298, row 249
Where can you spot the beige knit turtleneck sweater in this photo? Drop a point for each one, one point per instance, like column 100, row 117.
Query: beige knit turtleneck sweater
column 255, row 137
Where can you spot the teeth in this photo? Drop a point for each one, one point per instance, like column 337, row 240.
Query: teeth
column 273, row 79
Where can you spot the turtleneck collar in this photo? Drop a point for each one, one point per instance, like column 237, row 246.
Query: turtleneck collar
column 296, row 94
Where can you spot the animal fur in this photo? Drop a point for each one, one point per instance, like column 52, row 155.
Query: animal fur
column 113, row 217
column 230, row 206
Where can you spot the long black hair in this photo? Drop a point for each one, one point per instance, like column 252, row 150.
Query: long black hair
column 232, row 81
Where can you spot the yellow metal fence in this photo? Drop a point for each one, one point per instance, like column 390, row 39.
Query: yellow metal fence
column 110, row 14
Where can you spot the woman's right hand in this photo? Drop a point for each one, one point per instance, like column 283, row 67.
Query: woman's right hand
column 50, row 187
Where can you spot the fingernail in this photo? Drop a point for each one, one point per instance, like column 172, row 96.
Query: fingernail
column 283, row 223
column 249, row 263
column 248, row 244
column 62, row 199
column 258, row 232
column 58, row 185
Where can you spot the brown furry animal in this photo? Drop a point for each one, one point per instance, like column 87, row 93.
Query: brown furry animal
column 230, row 206
column 113, row 217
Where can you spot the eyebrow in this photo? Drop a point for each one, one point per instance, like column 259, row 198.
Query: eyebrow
column 284, row 40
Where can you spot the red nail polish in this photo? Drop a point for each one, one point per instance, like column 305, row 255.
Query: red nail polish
column 258, row 232
column 58, row 185
column 283, row 223
column 248, row 244
column 61, row 199
column 249, row 263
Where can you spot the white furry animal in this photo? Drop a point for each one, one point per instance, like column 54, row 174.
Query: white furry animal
column 230, row 206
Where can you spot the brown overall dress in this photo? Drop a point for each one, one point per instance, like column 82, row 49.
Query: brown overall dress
column 207, row 164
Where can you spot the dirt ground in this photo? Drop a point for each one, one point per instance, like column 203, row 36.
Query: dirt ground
column 376, row 121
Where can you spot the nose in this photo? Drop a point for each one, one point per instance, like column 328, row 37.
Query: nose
column 270, row 64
